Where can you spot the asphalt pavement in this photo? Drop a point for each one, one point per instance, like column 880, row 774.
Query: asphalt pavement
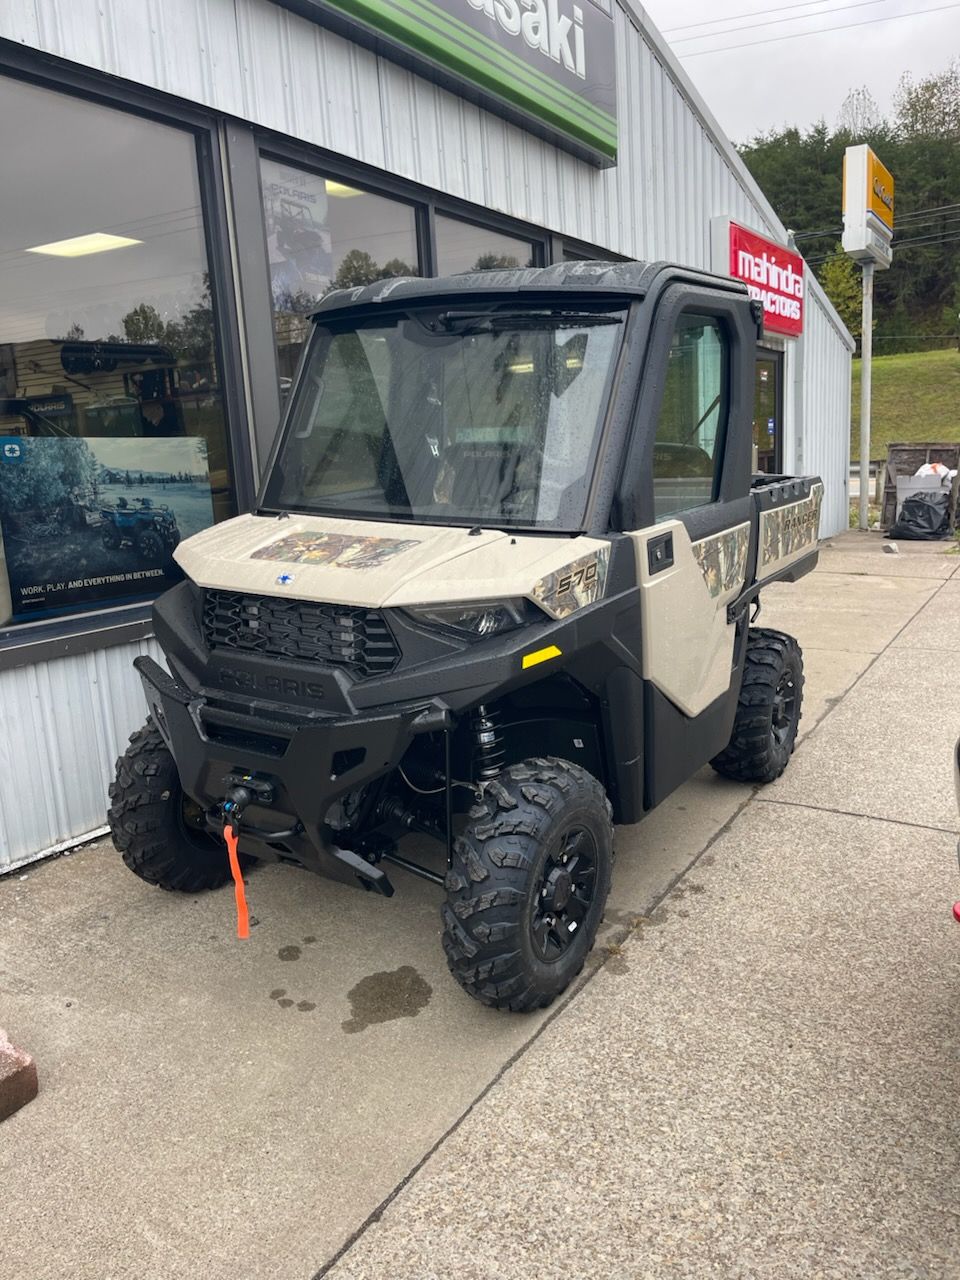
column 757, row 1076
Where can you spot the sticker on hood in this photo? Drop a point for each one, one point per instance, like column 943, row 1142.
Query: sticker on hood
column 576, row 585
column 341, row 550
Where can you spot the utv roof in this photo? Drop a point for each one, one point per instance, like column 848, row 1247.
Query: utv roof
column 616, row 278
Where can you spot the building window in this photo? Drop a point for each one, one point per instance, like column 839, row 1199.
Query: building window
column 689, row 443
column 462, row 246
column 323, row 234
column 113, row 443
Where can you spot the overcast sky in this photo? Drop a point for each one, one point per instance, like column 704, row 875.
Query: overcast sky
column 803, row 77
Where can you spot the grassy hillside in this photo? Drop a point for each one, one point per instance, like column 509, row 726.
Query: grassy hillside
column 916, row 397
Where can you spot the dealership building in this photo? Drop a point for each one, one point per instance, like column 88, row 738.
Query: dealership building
column 184, row 179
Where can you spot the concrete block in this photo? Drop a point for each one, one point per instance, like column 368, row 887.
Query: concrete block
column 18, row 1078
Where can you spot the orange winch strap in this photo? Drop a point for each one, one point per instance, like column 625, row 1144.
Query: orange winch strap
column 243, row 920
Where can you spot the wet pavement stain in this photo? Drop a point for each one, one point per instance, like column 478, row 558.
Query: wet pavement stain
column 289, row 953
column 382, row 997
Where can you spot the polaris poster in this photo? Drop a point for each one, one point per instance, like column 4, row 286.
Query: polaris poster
column 88, row 522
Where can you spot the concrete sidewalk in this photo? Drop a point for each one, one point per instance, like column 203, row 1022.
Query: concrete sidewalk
column 763, row 1080
column 760, row 1079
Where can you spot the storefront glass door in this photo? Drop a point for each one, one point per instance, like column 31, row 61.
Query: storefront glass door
column 768, row 411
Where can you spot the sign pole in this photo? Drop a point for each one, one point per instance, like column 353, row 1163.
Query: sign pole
column 866, row 390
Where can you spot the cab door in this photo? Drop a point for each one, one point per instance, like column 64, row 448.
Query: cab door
column 697, row 547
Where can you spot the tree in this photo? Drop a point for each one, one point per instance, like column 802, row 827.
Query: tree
column 494, row 262
column 841, row 281
column 47, row 473
column 930, row 108
column 143, row 324
column 859, row 114
column 395, row 268
column 357, row 268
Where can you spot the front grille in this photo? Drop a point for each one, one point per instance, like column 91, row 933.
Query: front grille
column 340, row 635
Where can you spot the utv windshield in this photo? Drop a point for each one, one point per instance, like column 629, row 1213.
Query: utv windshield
column 465, row 416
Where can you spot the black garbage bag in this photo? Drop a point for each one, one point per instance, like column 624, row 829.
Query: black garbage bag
column 923, row 516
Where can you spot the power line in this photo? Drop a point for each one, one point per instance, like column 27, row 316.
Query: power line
column 900, row 245
column 948, row 239
column 735, row 17
column 910, row 221
column 933, row 211
column 775, row 22
column 799, row 35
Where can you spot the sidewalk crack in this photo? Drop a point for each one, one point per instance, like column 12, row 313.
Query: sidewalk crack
column 854, row 813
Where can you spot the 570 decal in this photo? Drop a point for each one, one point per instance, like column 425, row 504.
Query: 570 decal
column 582, row 577
column 574, row 586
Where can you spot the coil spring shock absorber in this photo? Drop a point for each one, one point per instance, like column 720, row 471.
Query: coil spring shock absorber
column 490, row 753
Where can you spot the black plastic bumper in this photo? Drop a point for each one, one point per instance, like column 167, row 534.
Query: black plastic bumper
column 308, row 758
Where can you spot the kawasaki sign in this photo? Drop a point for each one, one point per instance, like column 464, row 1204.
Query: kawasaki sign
column 549, row 64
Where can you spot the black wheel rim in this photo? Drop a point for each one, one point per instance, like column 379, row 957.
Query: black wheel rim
column 564, row 894
column 784, row 708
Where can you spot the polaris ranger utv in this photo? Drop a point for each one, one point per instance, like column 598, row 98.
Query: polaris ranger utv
column 497, row 589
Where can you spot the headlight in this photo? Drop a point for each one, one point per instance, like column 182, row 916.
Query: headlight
column 479, row 619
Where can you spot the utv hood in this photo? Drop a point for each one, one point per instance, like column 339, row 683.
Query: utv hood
column 376, row 565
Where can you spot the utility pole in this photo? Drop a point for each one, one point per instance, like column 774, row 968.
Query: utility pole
column 868, row 239
column 866, row 391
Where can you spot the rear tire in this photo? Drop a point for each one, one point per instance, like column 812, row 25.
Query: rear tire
column 768, row 710
column 150, row 546
column 150, row 823
column 528, row 884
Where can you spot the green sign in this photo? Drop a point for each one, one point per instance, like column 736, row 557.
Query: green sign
column 549, row 63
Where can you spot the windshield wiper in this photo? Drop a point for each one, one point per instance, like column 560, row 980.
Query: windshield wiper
column 492, row 322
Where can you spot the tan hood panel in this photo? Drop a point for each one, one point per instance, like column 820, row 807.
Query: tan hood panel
column 373, row 564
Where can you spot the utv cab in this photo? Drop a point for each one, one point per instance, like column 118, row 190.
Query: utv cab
column 497, row 590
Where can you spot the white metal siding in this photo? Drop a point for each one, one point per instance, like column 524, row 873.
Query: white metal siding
column 62, row 723
column 825, row 446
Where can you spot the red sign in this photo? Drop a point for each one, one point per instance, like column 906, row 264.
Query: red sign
column 773, row 274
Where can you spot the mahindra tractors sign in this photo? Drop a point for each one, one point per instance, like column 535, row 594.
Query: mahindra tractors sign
column 772, row 274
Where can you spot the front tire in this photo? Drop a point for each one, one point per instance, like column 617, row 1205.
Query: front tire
column 768, row 709
column 528, row 884
column 157, row 829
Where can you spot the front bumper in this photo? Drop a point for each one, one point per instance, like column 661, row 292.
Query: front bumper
column 309, row 759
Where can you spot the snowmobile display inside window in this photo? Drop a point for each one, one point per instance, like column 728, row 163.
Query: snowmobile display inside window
column 497, row 592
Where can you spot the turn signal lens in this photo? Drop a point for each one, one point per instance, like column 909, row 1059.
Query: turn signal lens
column 476, row 620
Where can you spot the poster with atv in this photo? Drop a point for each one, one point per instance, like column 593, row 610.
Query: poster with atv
column 88, row 522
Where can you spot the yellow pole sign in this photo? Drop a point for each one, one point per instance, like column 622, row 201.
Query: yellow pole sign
column 867, row 207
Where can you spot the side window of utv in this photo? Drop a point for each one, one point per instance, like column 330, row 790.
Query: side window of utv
column 688, row 450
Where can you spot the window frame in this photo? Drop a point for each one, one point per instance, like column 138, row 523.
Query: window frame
column 24, row 643
column 633, row 505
